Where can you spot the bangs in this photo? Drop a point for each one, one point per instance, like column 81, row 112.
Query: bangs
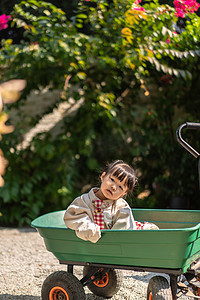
column 125, row 176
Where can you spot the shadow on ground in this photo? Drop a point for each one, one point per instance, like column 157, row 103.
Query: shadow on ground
column 18, row 297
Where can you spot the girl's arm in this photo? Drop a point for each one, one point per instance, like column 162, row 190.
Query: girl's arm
column 79, row 217
column 123, row 218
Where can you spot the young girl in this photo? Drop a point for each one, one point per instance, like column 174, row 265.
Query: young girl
column 104, row 207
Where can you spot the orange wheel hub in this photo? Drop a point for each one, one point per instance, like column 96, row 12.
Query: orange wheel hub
column 58, row 293
column 150, row 296
column 102, row 282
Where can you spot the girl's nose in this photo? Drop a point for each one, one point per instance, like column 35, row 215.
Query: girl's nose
column 113, row 187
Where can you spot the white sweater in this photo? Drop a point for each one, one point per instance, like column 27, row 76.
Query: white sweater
column 79, row 216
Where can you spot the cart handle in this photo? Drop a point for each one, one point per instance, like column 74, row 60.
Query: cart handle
column 189, row 148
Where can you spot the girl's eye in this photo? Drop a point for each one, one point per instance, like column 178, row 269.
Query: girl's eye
column 112, row 179
column 121, row 187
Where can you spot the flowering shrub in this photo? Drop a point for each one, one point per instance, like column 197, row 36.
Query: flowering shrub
column 184, row 7
column 133, row 79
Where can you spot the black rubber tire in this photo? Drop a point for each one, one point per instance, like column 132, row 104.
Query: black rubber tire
column 159, row 289
column 115, row 279
column 64, row 284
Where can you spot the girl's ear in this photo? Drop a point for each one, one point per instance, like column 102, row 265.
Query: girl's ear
column 102, row 175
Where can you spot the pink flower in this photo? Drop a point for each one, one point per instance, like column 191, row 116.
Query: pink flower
column 179, row 13
column 139, row 8
column 3, row 21
column 185, row 7
column 136, row 6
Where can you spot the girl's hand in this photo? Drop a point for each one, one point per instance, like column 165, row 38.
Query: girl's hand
column 150, row 226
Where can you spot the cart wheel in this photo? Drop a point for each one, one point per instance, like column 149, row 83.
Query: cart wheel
column 158, row 289
column 62, row 285
column 108, row 285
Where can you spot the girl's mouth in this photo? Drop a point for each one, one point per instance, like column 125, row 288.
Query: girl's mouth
column 110, row 192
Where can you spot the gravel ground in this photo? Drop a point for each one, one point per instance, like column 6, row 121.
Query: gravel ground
column 25, row 263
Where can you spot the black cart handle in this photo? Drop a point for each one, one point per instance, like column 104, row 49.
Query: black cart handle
column 187, row 125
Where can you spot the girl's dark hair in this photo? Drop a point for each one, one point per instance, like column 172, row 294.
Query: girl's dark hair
column 122, row 171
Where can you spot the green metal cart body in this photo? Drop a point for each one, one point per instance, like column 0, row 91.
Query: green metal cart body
column 175, row 246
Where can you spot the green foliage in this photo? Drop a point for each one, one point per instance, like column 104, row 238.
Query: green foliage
column 132, row 79
column 33, row 186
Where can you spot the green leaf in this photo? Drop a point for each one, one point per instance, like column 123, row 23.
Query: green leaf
column 81, row 16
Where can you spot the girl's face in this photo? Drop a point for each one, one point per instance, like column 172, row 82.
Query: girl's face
column 111, row 187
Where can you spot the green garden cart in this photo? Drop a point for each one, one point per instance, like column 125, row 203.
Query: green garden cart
column 174, row 250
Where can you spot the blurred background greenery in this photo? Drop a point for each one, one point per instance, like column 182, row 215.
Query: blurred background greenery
column 127, row 81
